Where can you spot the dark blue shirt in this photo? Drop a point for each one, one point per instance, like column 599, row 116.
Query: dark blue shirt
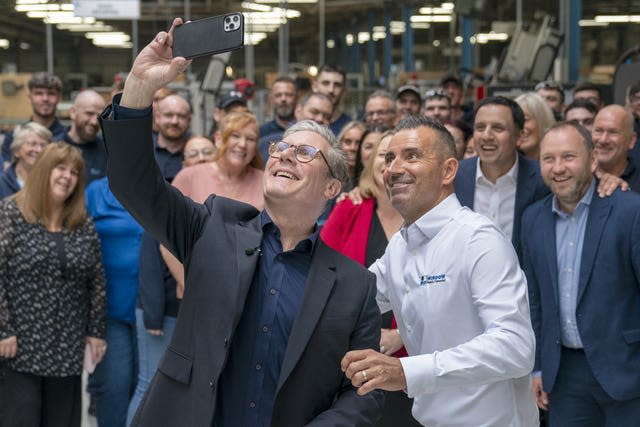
column 94, row 154
column 263, row 144
column 247, row 386
column 271, row 127
column 169, row 163
column 631, row 174
column 337, row 126
column 9, row 182
column 57, row 129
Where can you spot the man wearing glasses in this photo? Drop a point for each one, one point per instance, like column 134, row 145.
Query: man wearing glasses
column 380, row 109
column 269, row 309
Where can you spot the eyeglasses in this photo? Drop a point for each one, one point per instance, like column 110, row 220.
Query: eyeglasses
column 191, row 154
column 549, row 84
column 34, row 144
column 436, row 93
column 304, row 153
column 378, row 113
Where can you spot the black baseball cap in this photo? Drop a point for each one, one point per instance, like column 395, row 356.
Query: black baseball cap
column 233, row 97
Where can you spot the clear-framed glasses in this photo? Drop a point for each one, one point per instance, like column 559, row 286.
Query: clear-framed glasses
column 191, row 154
column 304, row 153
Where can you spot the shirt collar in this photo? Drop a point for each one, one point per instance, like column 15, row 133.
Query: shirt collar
column 511, row 173
column 270, row 228
column 430, row 224
column 585, row 201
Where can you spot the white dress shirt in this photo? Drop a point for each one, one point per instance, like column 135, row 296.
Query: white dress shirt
column 453, row 281
column 497, row 201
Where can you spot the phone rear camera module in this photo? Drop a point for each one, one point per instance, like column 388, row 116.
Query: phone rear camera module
column 235, row 18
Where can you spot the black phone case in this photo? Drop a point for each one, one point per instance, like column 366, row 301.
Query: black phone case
column 208, row 36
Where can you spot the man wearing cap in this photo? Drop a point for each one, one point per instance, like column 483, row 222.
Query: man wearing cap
column 231, row 102
column 332, row 81
column 553, row 93
column 454, row 87
column 437, row 105
column 408, row 102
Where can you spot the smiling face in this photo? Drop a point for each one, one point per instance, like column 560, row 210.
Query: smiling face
column 495, row 137
column 44, row 102
column 528, row 143
column 367, row 146
column 241, row 147
column 581, row 116
column 283, row 98
column 437, row 108
column 613, row 137
column 566, row 166
column 84, row 116
column 379, row 164
column 417, row 176
column 198, row 149
column 30, row 150
column 173, row 118
column 349, row 144
column 307, row 186
column 62, row 182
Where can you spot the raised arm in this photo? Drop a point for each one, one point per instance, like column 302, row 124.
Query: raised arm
column 153, row 69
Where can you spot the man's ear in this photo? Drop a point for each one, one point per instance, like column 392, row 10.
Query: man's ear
column 333, row 189
column 449, row 171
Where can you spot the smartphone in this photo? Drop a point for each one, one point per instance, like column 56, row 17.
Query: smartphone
column 209, row 36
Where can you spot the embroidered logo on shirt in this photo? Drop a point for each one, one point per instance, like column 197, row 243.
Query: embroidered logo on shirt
column 429, row 279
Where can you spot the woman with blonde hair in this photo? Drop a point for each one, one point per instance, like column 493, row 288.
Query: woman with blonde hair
column 349, row 139
column 28, row 142
column 52, row 293
column 538, row 117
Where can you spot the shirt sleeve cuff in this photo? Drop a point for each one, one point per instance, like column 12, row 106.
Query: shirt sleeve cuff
column 420, row 374
column 124, row 113
column 536, row 374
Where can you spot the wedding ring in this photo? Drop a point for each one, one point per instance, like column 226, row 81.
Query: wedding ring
column 364, row 375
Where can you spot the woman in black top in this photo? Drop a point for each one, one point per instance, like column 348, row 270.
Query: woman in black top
column 52, row 293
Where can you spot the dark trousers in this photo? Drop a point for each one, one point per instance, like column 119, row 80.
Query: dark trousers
column 28, row 400
column 577, row 399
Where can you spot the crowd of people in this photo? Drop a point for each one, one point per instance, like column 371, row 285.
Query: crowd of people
column 221, row 279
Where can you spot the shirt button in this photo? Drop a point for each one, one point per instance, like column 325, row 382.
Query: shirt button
column 569, row 270
column 265, row 329
column 252, row 405
column 258, row 367
column 272, row 291
column 570, row 243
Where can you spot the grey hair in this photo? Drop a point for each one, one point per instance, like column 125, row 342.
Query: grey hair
column 20, row 134
column 335, row 156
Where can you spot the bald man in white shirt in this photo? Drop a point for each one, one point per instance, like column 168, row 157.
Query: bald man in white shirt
column 453, row 281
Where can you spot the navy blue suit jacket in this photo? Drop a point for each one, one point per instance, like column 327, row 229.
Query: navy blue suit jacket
column 529, row 188
column 608, row 305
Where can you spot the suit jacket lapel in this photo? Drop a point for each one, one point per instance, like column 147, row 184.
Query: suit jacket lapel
column 546, row 233
column 248, row 236
column 525, row 188
column 598, row 214
column 466, row 186
column 319, row 284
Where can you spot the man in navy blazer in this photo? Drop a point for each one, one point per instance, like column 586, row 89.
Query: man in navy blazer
column 582, row 259
column 499, row 183
column 269, row 309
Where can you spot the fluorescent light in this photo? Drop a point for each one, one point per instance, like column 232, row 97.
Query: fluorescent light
column 331, row 43
column 379, row 35
column 491, row 36
column 349, row 39
column 420, row 25
column 288, row 1
column 458, row 39
column 69, row 20
column 448, row 5
column 312, row 70
column 255, row 6
column 4, row 44
column 434, row 11
column 45, row 14
column 431, row 18
column 83, row 28
column 363, row 37
column 617, row 18
column 592, row 23
column 31, row 1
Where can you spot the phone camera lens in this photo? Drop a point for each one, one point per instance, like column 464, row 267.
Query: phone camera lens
column 235, row 19
column 227, row 19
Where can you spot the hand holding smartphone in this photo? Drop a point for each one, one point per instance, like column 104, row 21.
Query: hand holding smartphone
column 209, row 36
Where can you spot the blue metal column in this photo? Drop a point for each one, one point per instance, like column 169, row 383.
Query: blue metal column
column 467, row 48
column 387, row 47
column 357, row 57
column 575, row 14
column 371, row 49
column 407, row 40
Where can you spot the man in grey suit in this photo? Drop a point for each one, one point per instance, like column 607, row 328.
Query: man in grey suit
column 269, row 309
